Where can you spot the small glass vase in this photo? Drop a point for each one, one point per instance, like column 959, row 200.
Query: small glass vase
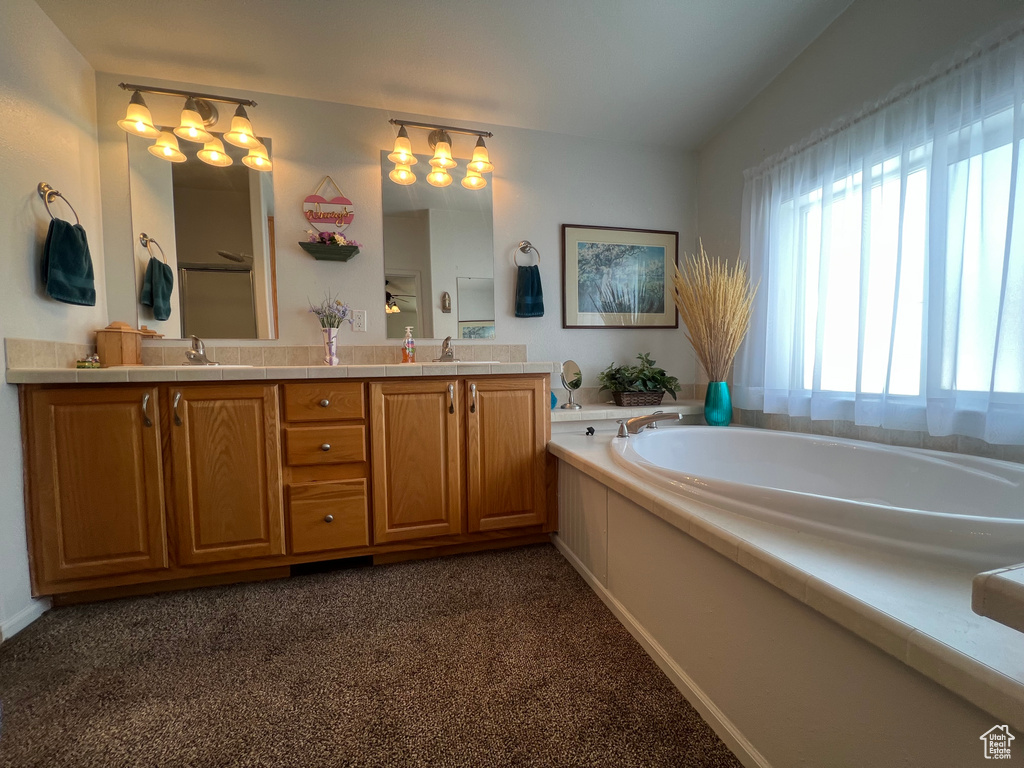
column 330, row 346
column 718, row 405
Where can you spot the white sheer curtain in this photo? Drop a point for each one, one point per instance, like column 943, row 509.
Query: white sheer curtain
column 891, row 261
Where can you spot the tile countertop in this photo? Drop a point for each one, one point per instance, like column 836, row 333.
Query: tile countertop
column 605, row 411
column 916, row 610
column 999, row 595
column 166, row 373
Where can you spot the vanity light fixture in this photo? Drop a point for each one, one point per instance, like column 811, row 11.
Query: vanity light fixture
column 138, row 120
column 213, row 153
column 197, row 116
column 402, row 153
column 440, row 142
column 480, row 163
column 439, row 177
column 473, row 180
column 241, row 133
column 166, row 148
column 257, row 159
column 403, row 175
column 192, row 127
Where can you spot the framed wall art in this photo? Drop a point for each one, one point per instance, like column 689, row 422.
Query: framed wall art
column 618, row 278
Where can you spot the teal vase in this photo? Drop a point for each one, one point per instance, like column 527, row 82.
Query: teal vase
column 718, row 405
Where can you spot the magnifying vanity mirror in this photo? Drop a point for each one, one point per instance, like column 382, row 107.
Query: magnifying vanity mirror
column 572, row 379
column 437, row 241
column 215, row 228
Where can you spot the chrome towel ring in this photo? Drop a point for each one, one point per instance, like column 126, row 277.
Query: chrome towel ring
column 525, row 246
column 148, row 241
column 49, row 194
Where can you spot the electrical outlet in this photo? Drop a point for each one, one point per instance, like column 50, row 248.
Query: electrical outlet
column 358, row 321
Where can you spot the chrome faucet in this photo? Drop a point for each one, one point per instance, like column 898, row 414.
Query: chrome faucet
column 447, row 352
column 636, row 425
column 197, row 354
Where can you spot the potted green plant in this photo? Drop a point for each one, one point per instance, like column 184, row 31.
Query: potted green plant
column 643, row 384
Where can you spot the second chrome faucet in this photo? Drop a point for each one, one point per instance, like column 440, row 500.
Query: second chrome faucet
column 636, row 425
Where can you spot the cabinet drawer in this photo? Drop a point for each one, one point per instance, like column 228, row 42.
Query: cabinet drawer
column 324, row 516
column 307, row 446
column 323, row 401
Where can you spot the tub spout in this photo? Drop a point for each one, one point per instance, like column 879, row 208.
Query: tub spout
column 636, row 425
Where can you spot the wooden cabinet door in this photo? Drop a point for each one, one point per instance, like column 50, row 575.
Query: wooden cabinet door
column 95, row 482
column 506, row 439
column 417, row 459
column 226, row 465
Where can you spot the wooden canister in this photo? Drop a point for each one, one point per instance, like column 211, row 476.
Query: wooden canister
column 119, row 344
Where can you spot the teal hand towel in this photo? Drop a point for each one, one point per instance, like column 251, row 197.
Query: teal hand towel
column 156, row 288
column 529, row 293
column 67, row 264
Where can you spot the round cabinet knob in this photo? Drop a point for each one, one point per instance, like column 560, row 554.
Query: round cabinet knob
column 329, row 519
column 325, row 447
column 324, row 403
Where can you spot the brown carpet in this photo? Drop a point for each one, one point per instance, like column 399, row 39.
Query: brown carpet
column 495, row 659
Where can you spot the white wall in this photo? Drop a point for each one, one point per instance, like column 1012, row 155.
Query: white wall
column 541, row 181
column 48, row 133
column 873, row 47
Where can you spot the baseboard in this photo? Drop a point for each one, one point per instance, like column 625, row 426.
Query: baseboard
column 727, row 731
column 12, row 626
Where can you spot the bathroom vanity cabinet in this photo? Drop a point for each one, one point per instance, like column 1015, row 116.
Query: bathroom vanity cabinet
column 132, row 484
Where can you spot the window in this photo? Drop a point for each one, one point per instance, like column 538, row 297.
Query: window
column 892, row 267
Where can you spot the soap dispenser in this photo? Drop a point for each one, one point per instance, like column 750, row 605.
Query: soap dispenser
column 408, row 346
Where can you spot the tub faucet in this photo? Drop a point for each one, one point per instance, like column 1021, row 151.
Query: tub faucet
column 447, row 353
column 197, row 354
column 636, row 425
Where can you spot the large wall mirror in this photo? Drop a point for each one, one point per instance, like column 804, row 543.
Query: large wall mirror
column 437, row 242
column 214, row 226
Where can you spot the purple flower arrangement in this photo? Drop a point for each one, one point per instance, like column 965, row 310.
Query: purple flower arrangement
column 330, row 238
column 331, row 312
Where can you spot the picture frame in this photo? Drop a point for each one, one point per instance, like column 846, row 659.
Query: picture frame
column 476, row 329
column 613, row 277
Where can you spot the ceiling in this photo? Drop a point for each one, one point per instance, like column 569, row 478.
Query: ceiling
column 660, row 72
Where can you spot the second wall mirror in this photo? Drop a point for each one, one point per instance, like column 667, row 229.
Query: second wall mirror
column 437, row 241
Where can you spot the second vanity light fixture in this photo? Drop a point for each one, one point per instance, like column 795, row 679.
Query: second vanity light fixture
column 440, row 141
column 197, row 114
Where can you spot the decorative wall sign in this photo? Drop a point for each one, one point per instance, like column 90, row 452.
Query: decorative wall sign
column 334, row 213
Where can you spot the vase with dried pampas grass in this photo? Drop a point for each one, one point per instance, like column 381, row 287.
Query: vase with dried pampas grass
column 714, row 301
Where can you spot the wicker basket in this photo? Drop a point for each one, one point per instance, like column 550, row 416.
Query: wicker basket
column 632, row 399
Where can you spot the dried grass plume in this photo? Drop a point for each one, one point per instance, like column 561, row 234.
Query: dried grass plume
column 714, row 301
